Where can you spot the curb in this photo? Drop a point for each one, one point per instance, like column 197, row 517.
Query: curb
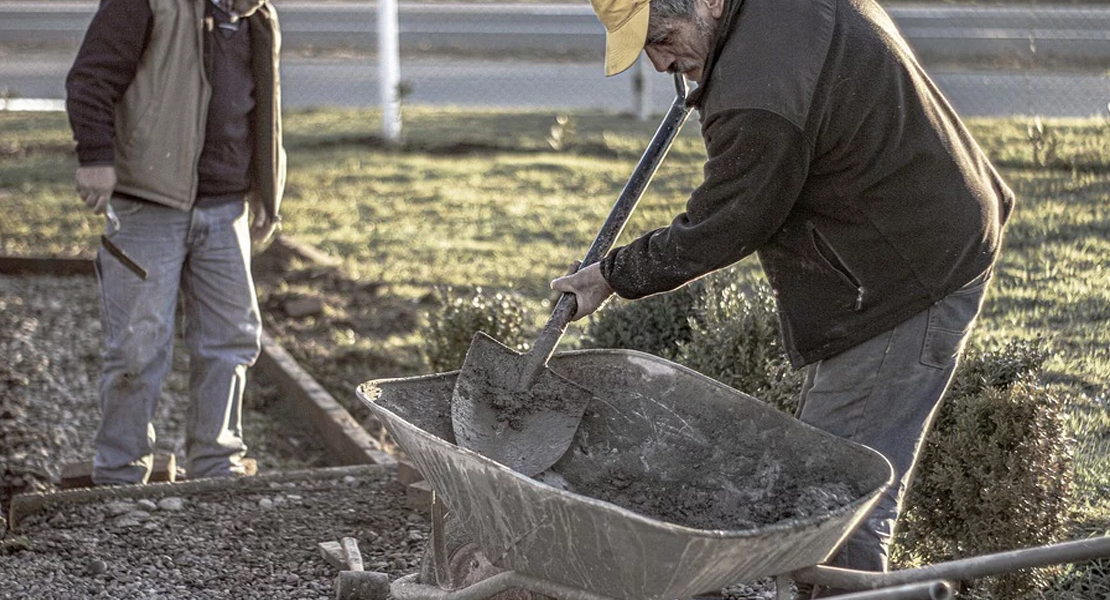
column 25, row 505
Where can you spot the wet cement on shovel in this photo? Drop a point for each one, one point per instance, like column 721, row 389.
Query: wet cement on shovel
column 512, row 405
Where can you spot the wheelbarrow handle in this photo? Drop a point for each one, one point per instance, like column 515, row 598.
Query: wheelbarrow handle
column 962, row 569
column 630, row 196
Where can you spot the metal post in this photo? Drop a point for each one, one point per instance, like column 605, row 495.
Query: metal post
column 389, row 70
column 641, row 89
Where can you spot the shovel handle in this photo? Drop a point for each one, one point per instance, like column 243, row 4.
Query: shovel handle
column 630, row 196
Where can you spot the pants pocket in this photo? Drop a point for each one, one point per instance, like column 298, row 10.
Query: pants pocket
column 950, row 321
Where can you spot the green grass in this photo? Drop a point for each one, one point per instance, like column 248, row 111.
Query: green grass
column 480, row 198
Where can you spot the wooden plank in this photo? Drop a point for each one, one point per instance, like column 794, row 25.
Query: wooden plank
column 352, row 554
column 23, row 505
column 407, row 473
column 419, row 496
column 79, row 474
column 45, row 265
column 333, row 554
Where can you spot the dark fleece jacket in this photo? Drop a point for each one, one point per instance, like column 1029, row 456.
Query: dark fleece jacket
column 834, row 157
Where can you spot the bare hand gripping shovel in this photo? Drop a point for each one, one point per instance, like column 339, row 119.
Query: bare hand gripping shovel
column 509, row 406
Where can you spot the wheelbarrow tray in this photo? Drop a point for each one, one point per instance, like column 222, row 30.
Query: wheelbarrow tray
column 647, row 502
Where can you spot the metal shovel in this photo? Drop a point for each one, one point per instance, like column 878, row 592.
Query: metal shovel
column 509, row 406
column 106, row 240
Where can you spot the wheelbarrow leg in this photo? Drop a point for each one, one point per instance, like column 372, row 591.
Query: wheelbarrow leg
column 784, row 588
column 439, row 543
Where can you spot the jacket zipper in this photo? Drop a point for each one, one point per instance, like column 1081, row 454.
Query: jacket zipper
column 832, row 257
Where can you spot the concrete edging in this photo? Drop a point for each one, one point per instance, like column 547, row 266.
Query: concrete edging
column 24, row 505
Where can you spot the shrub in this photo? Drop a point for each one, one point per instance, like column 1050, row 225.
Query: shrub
column 724, row 328
column 737, row 342
column 460, row 314
column 656, row 324
column 995, row 474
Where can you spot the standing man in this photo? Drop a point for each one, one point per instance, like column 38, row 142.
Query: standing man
column 175, row 107
column 876, row 217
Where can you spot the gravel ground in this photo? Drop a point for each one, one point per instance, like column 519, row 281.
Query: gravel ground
column 247, row 539
column 255, row 538
column 49, row 410
column 239, row 539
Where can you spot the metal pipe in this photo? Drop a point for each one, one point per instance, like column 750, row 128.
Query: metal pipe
column 962, row 569
column 932, row 590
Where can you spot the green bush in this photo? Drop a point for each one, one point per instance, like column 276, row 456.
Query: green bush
column 737, row 342
column 720, row 326
column 995, row 474
column 460, row 314
column 656, row 324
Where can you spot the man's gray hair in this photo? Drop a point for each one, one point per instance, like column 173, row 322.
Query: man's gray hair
column 666, row 9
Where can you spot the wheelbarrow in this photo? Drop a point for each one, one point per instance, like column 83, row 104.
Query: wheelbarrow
column 674, row 486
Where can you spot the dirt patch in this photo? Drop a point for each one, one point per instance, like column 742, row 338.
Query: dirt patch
column 342, row 331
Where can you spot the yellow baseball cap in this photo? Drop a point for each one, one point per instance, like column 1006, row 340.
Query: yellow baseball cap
column 626, row 25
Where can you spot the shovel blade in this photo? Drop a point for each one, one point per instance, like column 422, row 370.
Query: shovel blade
column 498, row 412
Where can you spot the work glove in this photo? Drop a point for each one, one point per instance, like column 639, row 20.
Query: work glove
column 95, row 185
column 588, row 286
column 262, row 223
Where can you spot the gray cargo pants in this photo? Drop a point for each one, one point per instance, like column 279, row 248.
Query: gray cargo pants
column 884, row 394
column 203, row 255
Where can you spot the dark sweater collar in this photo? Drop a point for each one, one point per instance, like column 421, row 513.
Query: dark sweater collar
column 724, row 29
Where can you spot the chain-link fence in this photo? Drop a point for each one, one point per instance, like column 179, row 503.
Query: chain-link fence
column 989, row 60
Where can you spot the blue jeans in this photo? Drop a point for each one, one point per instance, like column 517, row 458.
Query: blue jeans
column 203, row 257
column 884, row 393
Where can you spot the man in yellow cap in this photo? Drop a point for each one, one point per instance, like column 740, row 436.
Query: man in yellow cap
column 876, row 217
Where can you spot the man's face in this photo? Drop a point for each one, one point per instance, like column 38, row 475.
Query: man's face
column 681, row 45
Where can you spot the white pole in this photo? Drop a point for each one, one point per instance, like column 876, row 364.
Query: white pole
column 389, row 70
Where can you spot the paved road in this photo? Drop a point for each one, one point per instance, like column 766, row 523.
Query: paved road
column 439, row 82
column 1075, row 35
column 1076, row 32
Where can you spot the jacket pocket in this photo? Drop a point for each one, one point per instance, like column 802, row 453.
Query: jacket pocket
column 138, row 129
column 832, row 259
